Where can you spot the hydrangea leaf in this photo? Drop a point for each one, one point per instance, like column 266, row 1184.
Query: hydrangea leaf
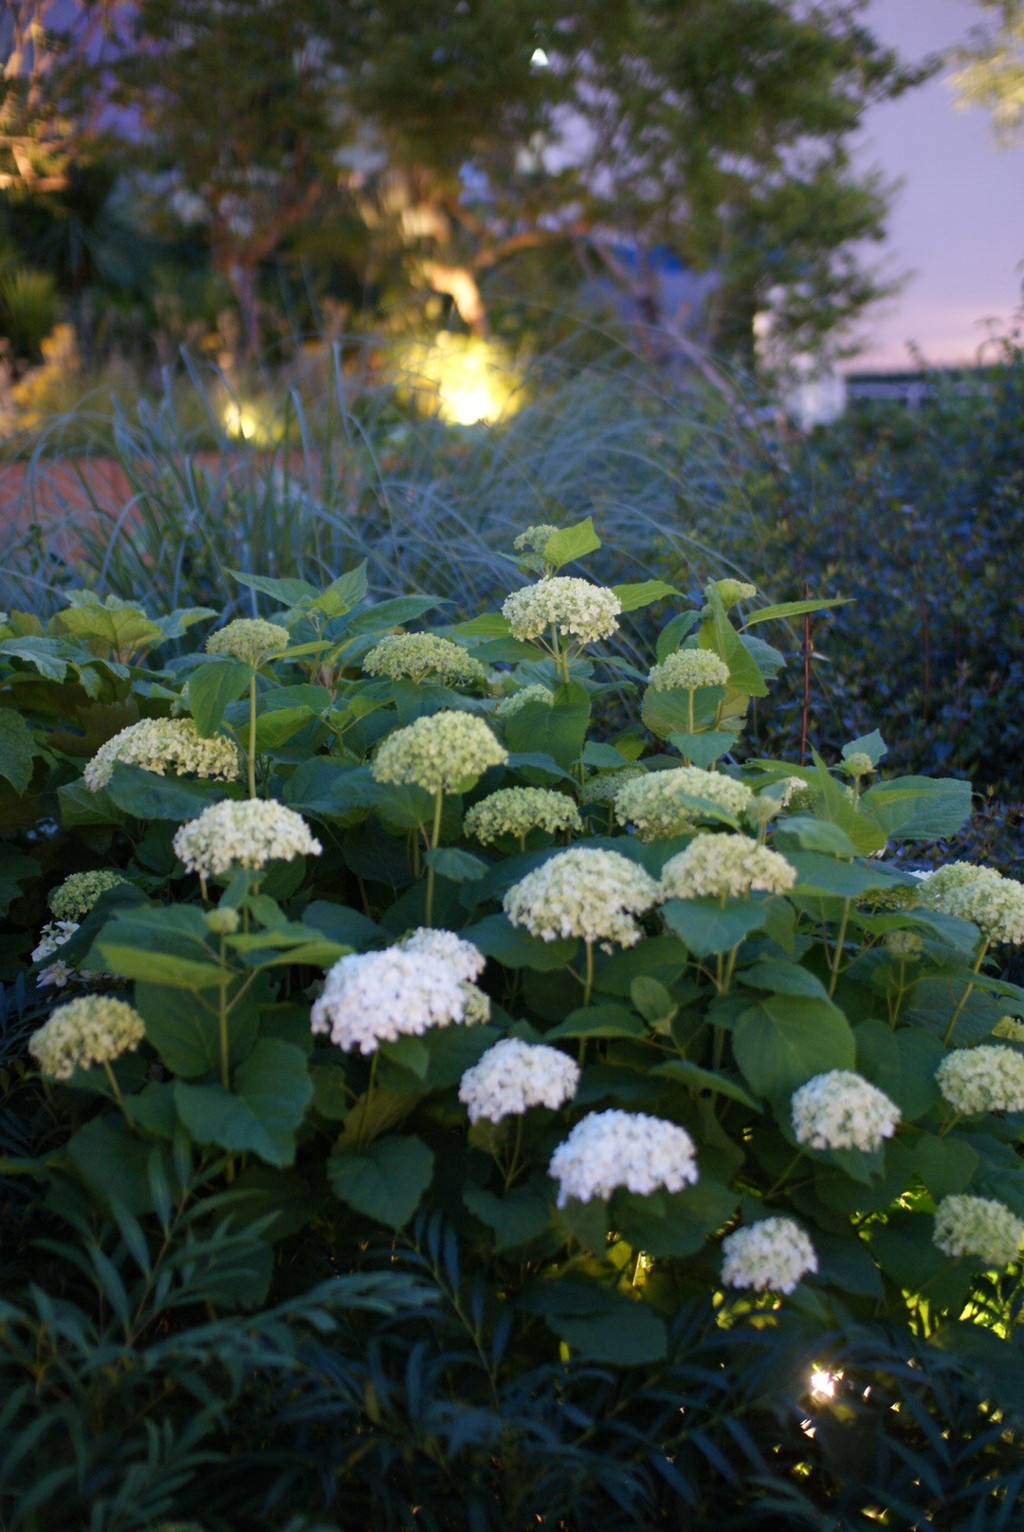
column 387, row 1182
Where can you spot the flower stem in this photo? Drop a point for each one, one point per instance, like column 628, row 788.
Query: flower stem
column 225, row 1042
column 969, row 990
column 838, row 950
column 435, row 836
column 115, row 1088
column 252, row 735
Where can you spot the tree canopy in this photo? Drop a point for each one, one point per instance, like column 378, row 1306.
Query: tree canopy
column 438, row 142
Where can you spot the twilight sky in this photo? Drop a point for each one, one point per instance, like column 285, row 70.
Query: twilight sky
column 958, row 221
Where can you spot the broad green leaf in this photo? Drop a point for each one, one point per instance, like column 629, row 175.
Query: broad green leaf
column 387, row 614
column 455, row 865
column 813, row 834
column 871, row 745
column 107, row 626
column 570, row 543
column 642, row 594
column 788, row 1039
column 606, row 1020
column 113, row 1164
column 674, row 632
column 44, row 654
column 185, row 1032
column 15, row 869
column 673, row 1223
column 331, row 1095
column 488, row 625
column 844, row 1261
column 603, row 757
column 272, row 1089
column 344, row 593
column 211, row 687
column 818, row 873
column 145, row 795
column 496, row 936
column 79, row 806
column 331, row 789
column 707, row 928
column 528, row 761
column 17, row 748
column 281, row 724
column 784, row 609
column 703, row 749
column 520, row 1216
column 783, row 978
column 919, row 808
column 371, row 1115
column 945, row 1165
column 558, row 731
column 162, row 967
column 341, row 924
column 653, row 1001
column 600, row 1324
column 289, row 592
column 387, row 1182
column 701, row 1080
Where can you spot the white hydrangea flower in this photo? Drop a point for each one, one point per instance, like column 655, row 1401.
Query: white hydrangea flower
column 53, row 935
column 248, row 638
column 464, row 960
column 513, row 1076
column 509, row 706
column 687, row 670
column 414, row 656
column 985, row 1079
column 371, row 998
column 651, row 803
column 74, row 898
column 842, row 1110
column 859, row 764
column 575, row 607
column 535, row 539
column 629, row 1149
column 978, row 1226
column 771, row 1256
column 518, row 810
column 163, row 745
column 93, row 1029
column 604, row 786
column 980, row 894
column 246, row 833
column 1010, row 1027
column 907, row 946
column 58, row 974
column 583, row 892
column 439, row 753
column 732, row 591
column 725, row 866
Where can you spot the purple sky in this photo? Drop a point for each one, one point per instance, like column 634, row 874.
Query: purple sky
column 958, row 221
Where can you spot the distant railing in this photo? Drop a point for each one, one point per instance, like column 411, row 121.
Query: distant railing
column 915, row 388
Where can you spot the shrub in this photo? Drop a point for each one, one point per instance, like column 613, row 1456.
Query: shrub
column 283, row 1066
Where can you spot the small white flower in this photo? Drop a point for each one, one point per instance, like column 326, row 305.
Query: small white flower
column 53, row 935
column 629, row 1149
column 513, row 1076
column 770, row 1256
column 985, row 1079
column 584, row 892
column 842, row 1110
column 246, row 833
column 464, row 960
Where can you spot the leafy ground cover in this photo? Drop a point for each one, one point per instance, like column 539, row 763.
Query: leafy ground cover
column 447, row 1088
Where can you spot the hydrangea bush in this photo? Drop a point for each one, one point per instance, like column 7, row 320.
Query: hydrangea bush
column 373, row 921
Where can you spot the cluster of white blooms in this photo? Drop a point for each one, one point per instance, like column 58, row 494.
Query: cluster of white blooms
column 164, row 745
column 535, row 539
column 246, row 833
column 603, row 787
column 513, row 1076
column 985, row 1079
column 687, row 670
column 371, row 998
column 52, row 937
column 980, row 894
column 75, row 897
column 91, row 1030
column 907, row 946
column 518, row 810
column 652, row 803
column 414, row 656
column 509, row 706
column 465, row 960
column 725, row 866
column 440, row 753
column 630, row 1149
column 587, row 612
column 248, row 638
column 770, row 1256
column 1010, row 1027
column 978, row 1226
column 842, row 1110
column 584, row 892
